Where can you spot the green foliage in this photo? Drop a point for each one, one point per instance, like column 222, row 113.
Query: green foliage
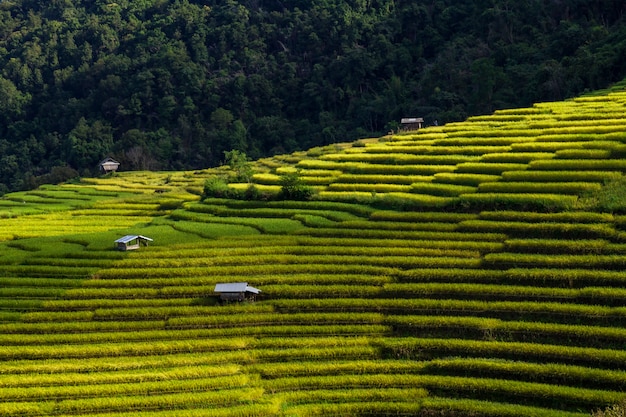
column 217, row 187
column 610, row 198
column 293, row 188
column 238, row 161
column 174, row 85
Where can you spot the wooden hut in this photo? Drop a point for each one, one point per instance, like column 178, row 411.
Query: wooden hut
column 236, row 291
column 109, row 165
column 411, row 123
column 131, row 242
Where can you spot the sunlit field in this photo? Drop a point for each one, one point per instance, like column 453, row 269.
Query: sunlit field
column 473, row 269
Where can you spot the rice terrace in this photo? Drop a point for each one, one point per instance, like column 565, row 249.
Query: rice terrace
column 469, row 269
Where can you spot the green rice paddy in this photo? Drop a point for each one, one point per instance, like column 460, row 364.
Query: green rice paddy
column 473, row 269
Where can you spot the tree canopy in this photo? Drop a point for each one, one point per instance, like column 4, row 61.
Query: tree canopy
column 174, row 84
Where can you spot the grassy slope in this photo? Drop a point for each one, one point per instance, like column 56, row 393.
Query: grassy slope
column 496, row 290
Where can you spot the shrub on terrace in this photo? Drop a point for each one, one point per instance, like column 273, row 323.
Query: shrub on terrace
column 240, row 164
column 293, row 188
column 217, row 187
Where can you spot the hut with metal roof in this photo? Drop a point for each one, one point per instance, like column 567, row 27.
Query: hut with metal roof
column 131, row 242
column 411, row 123
column 109, row 165
column 236, row 291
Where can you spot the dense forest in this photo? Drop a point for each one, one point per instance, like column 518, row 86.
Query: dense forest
column 160, row 84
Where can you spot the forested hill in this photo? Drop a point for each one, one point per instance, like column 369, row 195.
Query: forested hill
column 173, row 84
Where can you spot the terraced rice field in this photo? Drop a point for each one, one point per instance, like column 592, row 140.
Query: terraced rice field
column 467, row 269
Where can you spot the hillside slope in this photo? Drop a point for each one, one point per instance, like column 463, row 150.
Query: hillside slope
column 475, row 268
column 173, row 84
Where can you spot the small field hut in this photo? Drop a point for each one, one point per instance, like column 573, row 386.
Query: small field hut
column 411, row 123
column 131, row 242
column 109, row 165
column 236, row 291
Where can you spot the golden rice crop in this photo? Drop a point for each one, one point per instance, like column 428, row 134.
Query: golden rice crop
column 516, row 157
column 560, row 176
column 524, row 202
column 443, row 190
column 383, row 179
column 571, row 188
column 583, row 154
column 579, row 164
column 560, row 217
column 399, row 158
column 464, row 179
column 489, row 168
column 371, row 188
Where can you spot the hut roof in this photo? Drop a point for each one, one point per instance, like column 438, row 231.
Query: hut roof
column 412, row 120
column 236, row 287
column 111, row 160
column 129, row 238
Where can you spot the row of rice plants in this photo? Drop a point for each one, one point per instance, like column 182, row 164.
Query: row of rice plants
column 489, row 168
column 376, row 169
column 583, row 154
column 314, row 247
column 558, row 246
column 368, row 187
column 154, row 401
column 558, row 217
column 352, row 401
column 135, row 365
column 23, row 380
column 241, row 271
column 516, row 157
column 431, row 405
column 13, row 353
column 477, row 388
column 546, row 311
column 418, row 149
column 560, row 176
column 557, row 374
column 403, row 226
column 353, row 258
column 437, row 217
column 408, row 201
column 381, row 179
column 274, row 225
column 574, row 188
column 469, row 131
column 387, row 158
column 557, row 143
column 201, row 286
column 522, row 202
column 556, row 260
column 435, row 348
column 442, row 189
column 476, row 328
column 545, row 229
column 495, row 292
column 472, row 147
column 578, row 165
column 273, row 318
column 466, row 179
column 315, row 205
column 536, row 277
column 110, row 389
column 194, row 329
column 72, row 327
column 57, row 224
